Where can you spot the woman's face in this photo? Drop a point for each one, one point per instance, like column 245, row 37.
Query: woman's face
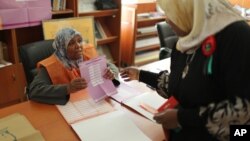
column 176, row 29
column 74, row 50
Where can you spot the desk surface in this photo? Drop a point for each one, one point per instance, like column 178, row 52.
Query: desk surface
column 48, row 120
column 157, row 66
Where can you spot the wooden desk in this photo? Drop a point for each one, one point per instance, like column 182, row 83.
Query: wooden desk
column 157, row 66
column 45, row 118
column 48, row 120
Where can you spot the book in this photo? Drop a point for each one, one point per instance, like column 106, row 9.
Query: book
column 114, row 126
column 86, row 6
column 97, row 32
column 100, row 29
column 62, row 5
column 56, row 5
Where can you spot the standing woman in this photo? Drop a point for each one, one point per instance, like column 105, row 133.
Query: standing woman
column 58, row 75
column 209, row 71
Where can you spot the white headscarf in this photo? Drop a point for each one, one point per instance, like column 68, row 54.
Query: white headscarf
column 199, row 18
column 60, row 44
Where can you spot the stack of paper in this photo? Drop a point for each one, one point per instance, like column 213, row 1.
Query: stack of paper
column 16, row 127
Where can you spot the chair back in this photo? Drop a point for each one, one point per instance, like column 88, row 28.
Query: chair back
column 32, row 53
column 167, row 38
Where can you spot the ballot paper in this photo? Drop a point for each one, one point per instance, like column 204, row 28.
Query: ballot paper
column 80, row 107
column 93, row 71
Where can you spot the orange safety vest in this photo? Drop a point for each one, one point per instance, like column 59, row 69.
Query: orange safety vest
column 56, row 70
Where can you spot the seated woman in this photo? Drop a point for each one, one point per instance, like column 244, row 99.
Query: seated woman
column 59, row 74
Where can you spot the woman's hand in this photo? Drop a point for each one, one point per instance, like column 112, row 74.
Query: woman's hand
column 76, row 85
column 130, row 73
column 109, row 74
column 168, row 118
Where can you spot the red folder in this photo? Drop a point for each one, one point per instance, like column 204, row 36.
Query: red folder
column 170, row 103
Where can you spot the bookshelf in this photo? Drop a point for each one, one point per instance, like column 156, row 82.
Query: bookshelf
column 139, row 38
column 110, row 22
column 13, row 81
column 70, row 10
column 243, row 3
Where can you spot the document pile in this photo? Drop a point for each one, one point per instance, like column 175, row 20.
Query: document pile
column 16, row 127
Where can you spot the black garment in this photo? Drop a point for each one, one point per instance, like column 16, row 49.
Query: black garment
column 42, row 90
column 209, row 103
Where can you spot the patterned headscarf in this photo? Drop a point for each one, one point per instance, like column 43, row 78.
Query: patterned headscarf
column 60, row 44
column 199, row 18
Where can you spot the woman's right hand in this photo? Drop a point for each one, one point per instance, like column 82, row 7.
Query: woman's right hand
column 130, row 73
column 76, row 85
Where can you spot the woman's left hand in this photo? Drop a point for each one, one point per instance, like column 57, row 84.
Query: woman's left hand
column 168, row 118
column 109, row 74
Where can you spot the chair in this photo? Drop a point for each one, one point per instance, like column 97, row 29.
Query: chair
column 167, row 39
column 32, row 53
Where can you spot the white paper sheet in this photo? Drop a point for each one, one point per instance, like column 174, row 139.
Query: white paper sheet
column 125, row 92
column 151, row 99
column 114, row 126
